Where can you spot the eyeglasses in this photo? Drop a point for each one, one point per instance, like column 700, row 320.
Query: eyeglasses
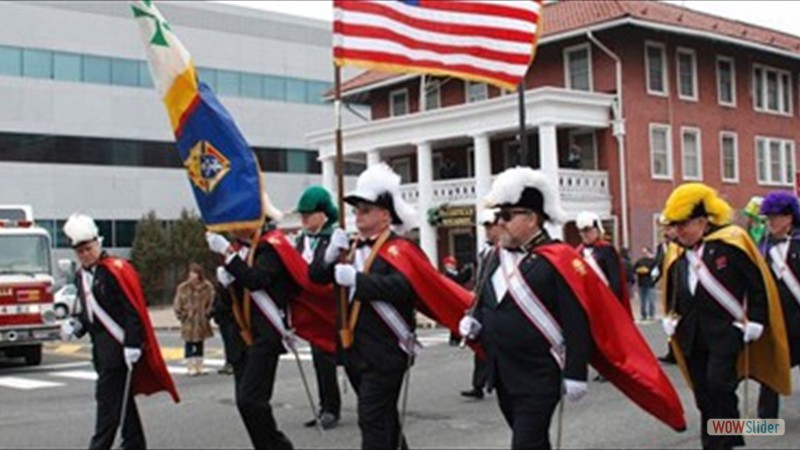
column 506, row 215
column 363, row 208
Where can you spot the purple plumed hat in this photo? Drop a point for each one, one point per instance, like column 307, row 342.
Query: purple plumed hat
column 781, row 202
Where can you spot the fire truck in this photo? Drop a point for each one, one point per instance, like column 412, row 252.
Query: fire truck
column 27, row 318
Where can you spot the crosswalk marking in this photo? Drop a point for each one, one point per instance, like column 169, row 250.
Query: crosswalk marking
column 26, row 384
column 89, row 375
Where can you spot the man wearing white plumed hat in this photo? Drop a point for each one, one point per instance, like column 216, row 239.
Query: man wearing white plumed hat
column 534, row 317
column 601, row 255
column 386, row 275
column 126, row 355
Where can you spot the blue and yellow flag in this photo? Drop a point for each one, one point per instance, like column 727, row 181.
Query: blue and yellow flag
column 222, row 169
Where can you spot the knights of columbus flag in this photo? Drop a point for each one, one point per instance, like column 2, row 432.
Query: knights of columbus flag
column 222, row 169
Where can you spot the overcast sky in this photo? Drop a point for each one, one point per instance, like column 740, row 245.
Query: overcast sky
column 779, row 15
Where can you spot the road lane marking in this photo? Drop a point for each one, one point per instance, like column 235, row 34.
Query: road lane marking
column 27, row 384
column 89, row 375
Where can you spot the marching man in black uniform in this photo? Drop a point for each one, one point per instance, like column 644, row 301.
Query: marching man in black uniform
column 531, row 325
column 381, row 312
column 319, row 216
column 254, row 269
column 601, row 256
column 125, row 352
column 722, row 299
column 781, row 249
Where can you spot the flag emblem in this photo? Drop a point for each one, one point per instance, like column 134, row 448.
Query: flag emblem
column 206, row 166
column 579, row 267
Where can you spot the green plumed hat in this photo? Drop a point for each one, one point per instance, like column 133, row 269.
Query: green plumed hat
column 318, row 199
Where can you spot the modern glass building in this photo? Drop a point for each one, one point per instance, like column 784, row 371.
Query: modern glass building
column 83, row 129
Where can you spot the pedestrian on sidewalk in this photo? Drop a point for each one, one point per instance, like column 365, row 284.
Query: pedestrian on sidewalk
column 192, row 306
column 643, row 267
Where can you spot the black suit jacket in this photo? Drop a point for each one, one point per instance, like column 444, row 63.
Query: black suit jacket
column 516, row 351
column 704, row 322
column 610, row 262
column 375, row 347
column 269, row 274
column 106, row 351
column 790, row 305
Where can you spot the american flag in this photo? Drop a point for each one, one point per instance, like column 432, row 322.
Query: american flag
column 492, row 41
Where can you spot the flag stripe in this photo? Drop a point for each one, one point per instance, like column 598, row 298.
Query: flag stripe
column 488, row 41
column 358, row 22
column 447, row 22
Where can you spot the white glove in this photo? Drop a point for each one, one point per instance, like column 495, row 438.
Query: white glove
column 669, row 324
column 69, row 328
column 575, row 390
column 345, row 275
column 751, row 331
column 339, row 241
column 224, row 277
column 217, row 243
column 469, row 327
column 132, row 355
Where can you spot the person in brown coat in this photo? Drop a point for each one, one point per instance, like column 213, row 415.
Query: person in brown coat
column 192, row 305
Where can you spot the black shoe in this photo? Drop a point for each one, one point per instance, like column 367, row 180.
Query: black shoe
column 667, row 359
column 474, row 393
column 328, row 420
column 227, row 369
column 600, row 379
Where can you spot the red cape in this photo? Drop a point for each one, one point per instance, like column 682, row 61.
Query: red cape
column 621, row 353
column 150, row 374
column 313, row 311
column 440, row 298
column 626, row 295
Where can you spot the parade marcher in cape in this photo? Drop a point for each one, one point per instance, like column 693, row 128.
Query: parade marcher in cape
column 488, row 220
column 543, row 314
column 386, row 276
column 781, row 249
column 725, row 308
column 125, row 351
column 602, row 257
column 266, row 274
column 318, row 216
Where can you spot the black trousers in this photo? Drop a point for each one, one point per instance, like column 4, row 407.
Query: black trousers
column 378, row 417
column 330, row 400
column 528, row 416
column 254, row 376
column 479, row 374
column 769, row 403
column 715, row 379
column 193, row 349
column 109, row 391
column 226, row 329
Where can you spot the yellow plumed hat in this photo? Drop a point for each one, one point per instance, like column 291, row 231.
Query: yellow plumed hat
column 692, row 200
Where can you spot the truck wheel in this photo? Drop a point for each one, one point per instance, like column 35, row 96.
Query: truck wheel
column 33, row 355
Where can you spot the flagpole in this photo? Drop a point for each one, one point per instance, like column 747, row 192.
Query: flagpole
column 341, row 304
column 523, row 136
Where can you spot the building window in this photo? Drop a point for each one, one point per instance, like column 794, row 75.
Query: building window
column 67, row 67
column 124, row 72
column 729, row 156
column 772, row 90
column 228, row 83
column 726, row 81
column 96, row 69
column 656, row 60
column 274, row 88
column 476, row 91
column 398, row 103
column 402, row 167
column 10, row 61
column 687, row 73
column 691, row 154
column 433, row 94
column 37, row 64
column 587, row 144
column 578, row 67
column 252, row 86
column 660, row 151
column 775, row 161
column 296, row 91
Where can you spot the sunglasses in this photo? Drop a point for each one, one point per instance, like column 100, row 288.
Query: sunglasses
column 507, row 215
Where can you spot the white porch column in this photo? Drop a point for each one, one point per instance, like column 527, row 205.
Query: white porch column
column 373, row 157
column 427, row 233
column 548, row 156
column 329, row 174
column 483, row 180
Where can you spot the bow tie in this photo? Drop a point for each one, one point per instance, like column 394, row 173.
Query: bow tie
column 365, row 243
column 776, row 241
column 515, row 250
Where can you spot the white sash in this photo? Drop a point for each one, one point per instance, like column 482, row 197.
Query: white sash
column 784, row 272
column 717, row 291
column 94, row 309
column 532, row 307
column 596, row 267
column 405, row 338
column 274, row 316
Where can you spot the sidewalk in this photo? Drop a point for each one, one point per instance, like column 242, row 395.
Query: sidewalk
column 163, row 318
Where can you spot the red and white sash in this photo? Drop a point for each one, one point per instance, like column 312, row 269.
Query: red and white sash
column 717, row 291
column 532, row 307
column 592, row 262
column 94, row 310
column 783, row 271
column 275, row 317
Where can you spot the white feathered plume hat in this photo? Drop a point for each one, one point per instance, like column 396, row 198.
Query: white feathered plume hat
column 488, row 216
column 81, row 229
column 588, row 219
column 379, row 185
column 523, row 187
